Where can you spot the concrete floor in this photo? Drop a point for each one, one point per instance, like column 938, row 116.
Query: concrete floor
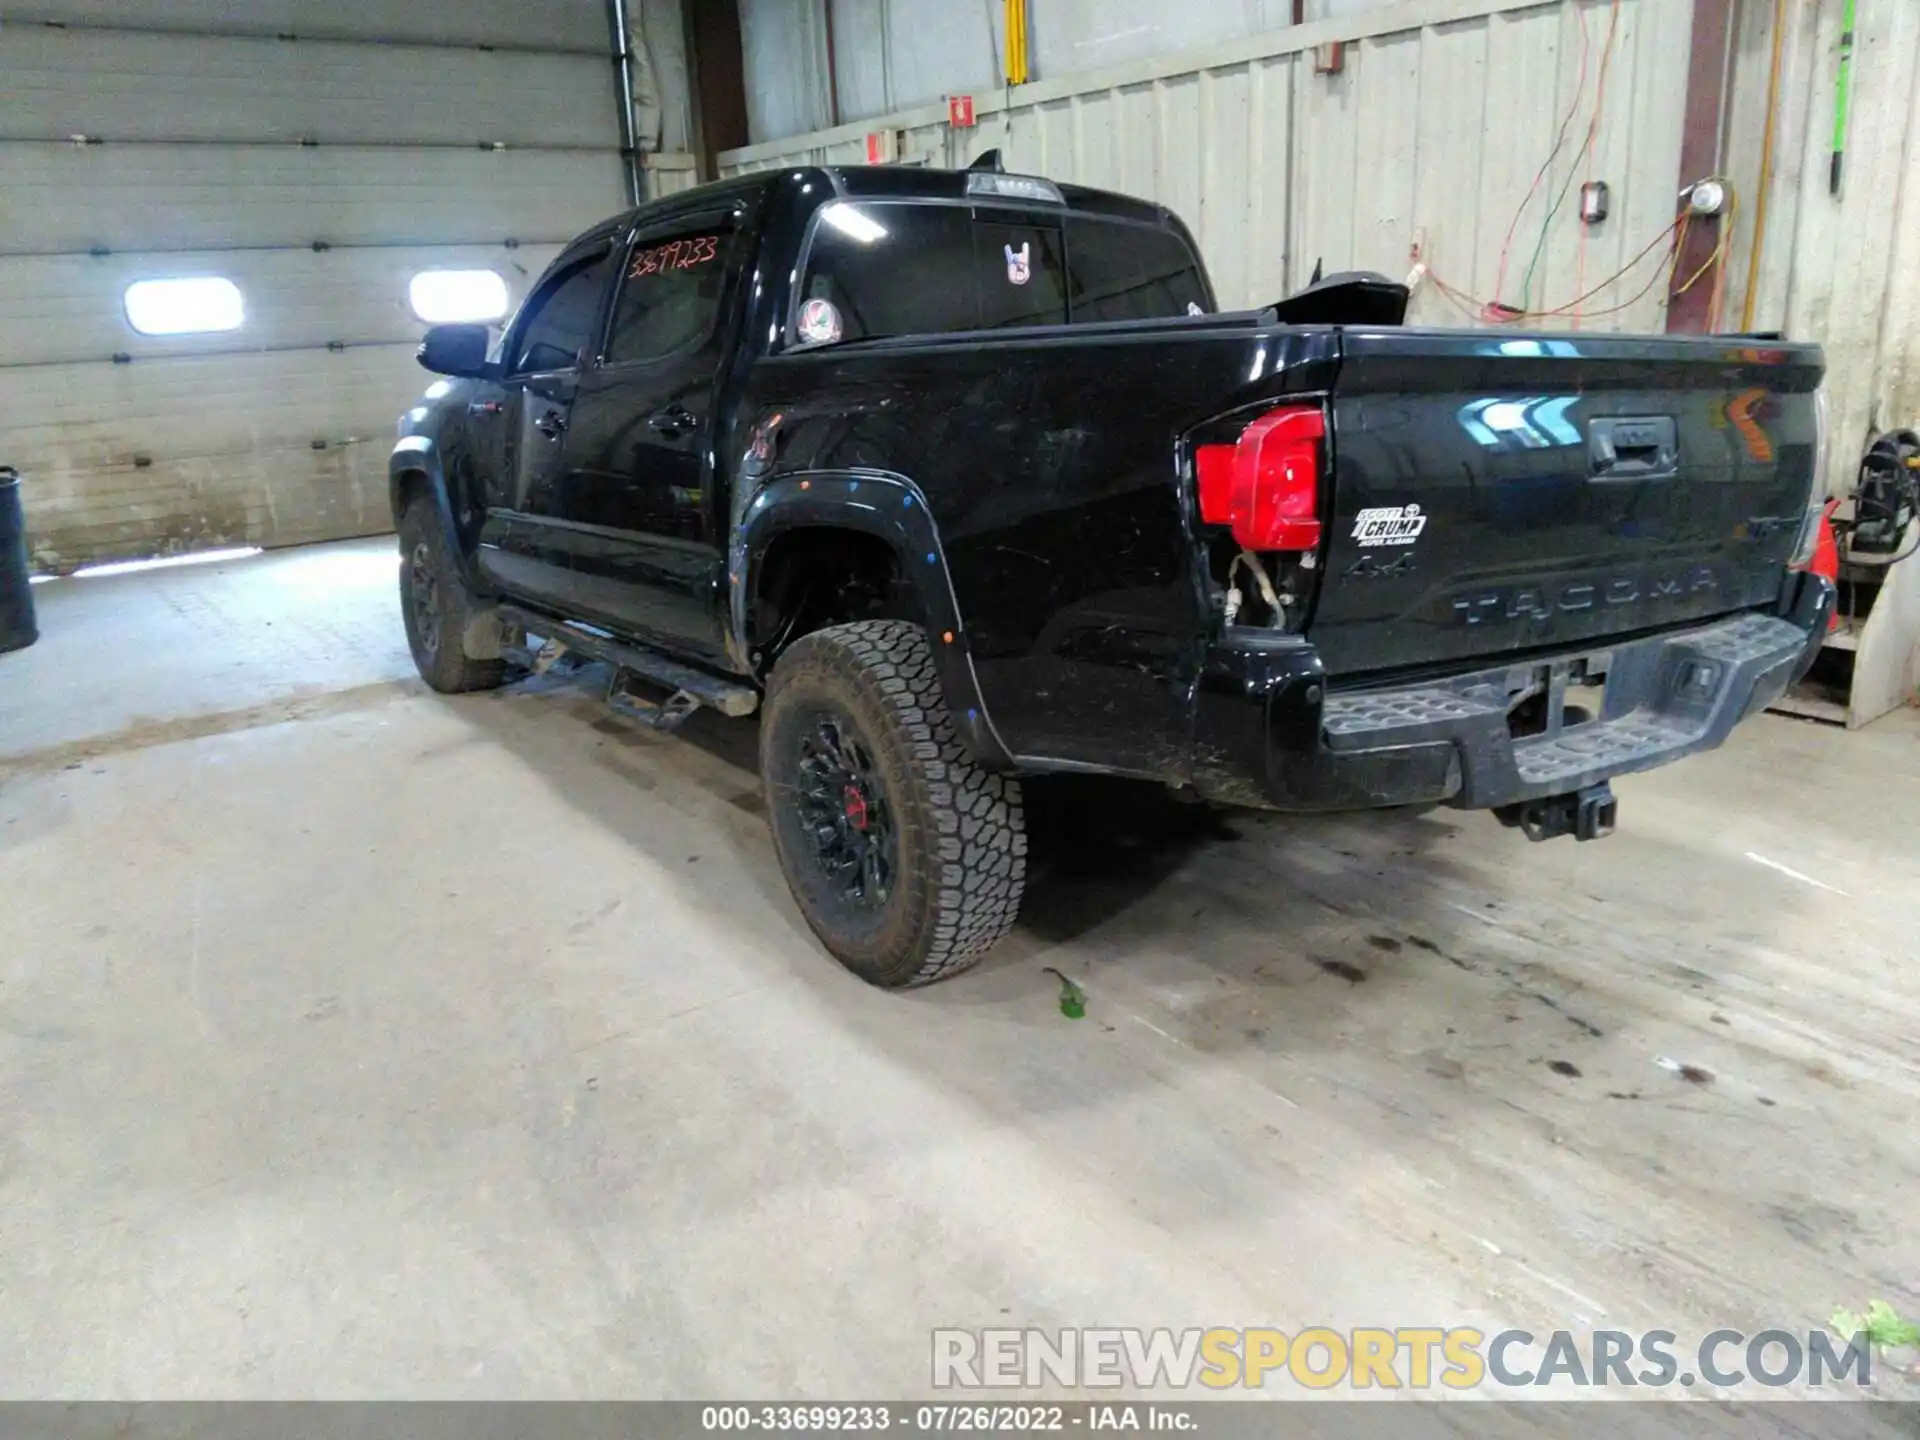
column 356, row 1041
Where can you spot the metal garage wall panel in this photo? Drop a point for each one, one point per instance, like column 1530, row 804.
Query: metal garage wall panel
column 123, row 85
column 669, row 173
column 65, row 309
column 1845, row 269
column 1433, row 131
column 891, row 54
column 222, row 149
column 1455, row 132
column 231, row 450
column 267, row 497
column 1847, row 253
column 779, row 38
column 1221, row 221
column 529, row 24
column 153, row 197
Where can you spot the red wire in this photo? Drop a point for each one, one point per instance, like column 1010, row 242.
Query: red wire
column 1593, row 132
column 1479, row 310
column 1500, row 276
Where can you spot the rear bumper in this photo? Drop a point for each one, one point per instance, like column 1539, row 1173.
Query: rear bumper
column 1269, row 732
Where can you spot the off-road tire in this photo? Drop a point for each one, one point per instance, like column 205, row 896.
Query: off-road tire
column 960, row 839
column 436, row 612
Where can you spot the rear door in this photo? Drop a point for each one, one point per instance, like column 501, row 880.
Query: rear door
column 1497, row 494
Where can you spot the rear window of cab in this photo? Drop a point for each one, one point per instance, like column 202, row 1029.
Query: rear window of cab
column 914, row 268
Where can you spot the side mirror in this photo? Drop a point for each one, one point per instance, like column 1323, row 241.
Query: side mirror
column 456, row 350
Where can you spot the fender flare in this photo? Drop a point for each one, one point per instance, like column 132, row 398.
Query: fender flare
column 417, row 455
column 891, row 508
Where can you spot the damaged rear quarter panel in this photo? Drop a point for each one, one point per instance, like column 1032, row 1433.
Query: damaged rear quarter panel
column 1049, row 462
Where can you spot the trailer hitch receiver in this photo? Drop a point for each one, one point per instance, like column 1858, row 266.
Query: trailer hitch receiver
column 1585, row 814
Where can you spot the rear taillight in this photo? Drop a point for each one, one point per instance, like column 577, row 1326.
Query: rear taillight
column 1266, row 486
column 1811, row 550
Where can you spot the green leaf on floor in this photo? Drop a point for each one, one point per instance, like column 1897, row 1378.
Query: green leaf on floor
column 1073, row 1000
column 1882, row 1325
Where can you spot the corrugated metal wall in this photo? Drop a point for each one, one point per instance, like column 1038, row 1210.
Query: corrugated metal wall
column 1845, row 269
column 1433, row 131
column 890, row 54
column 319, row 174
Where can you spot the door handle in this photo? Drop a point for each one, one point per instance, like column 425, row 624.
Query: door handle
column 673, row 421
column 550, row 424
column 1633, row 448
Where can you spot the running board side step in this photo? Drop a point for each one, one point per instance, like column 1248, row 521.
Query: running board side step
column 691, row 687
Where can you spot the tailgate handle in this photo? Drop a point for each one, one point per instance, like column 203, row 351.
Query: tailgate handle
column 1627, row 448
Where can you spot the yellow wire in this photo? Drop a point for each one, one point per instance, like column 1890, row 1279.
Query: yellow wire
column 1721, row 246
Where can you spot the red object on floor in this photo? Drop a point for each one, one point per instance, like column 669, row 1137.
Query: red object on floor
column 1826, row 556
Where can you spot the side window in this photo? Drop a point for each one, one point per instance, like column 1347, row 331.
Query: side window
column 670, row 295
column 906, row 269
column 562, row 320
column 1131, row 272
column 894, row 269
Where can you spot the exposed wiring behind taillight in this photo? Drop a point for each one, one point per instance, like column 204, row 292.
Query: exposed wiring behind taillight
column 1265, row 487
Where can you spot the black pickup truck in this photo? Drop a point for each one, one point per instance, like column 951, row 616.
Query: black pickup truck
column 956, row 477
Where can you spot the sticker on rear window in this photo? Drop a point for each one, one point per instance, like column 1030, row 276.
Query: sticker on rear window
column 819, row 323
column 1020, row 262
column 1388, row 525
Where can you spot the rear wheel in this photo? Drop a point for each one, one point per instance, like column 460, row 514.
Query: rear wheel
column 906, row 858
column 436, row 606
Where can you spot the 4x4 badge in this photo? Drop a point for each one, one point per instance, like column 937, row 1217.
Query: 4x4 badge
column 1372, row 567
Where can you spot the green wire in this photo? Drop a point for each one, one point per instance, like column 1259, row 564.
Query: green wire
column 1840, row 89
column 1546, row 221
column 1540, row 246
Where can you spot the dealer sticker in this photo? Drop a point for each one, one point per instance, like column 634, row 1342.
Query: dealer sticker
column 1388, row 525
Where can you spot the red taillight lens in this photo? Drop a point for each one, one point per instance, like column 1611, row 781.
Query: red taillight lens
column 1267, row 486
column 1821, row 554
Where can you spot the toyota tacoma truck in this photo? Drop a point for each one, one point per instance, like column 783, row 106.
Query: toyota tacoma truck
column 956, row 477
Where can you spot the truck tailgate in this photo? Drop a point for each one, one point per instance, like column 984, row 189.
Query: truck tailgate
column 1498, row 493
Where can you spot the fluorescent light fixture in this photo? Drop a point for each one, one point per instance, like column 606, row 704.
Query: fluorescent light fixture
column 1014, row 187
column 191, row 306
column 854, row 224
column 442, row 297
column 164, row 562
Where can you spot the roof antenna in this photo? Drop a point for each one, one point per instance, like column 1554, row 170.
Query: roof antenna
column 989, row 160
column 1316, row 272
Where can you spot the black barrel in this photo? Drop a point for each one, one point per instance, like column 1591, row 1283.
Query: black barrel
column 16, row 591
